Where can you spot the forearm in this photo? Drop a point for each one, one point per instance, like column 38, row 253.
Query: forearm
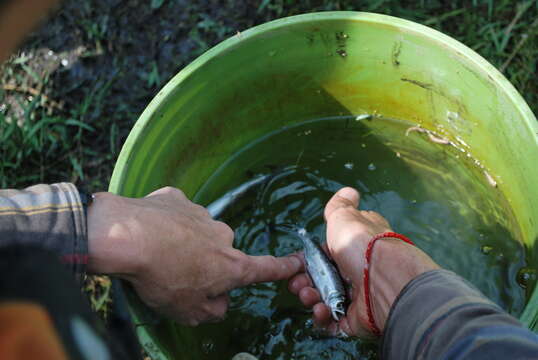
column 48, row 216
column 112, row 247
column 438, row 315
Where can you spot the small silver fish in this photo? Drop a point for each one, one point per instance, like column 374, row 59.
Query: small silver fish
column 217, row 207
column 324, row 276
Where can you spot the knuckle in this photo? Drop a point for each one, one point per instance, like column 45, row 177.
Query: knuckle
column 201, row 210
column 215, row 311
column 244, row 269
column 207, row 308
column 343, row 212
column 193, row 322
column 219, row 312
column 224, row 230
column 173, row 191
column 167, row 189
column 384, row 221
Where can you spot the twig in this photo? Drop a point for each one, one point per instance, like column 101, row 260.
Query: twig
column 431, row 135
column 520, row 43
column 438, row 140
column 414, row 128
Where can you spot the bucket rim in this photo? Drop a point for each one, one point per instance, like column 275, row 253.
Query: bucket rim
column 451, row 44
column 455, row 47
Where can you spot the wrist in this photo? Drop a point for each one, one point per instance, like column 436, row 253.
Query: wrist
column 394, row 264
column 112, row 248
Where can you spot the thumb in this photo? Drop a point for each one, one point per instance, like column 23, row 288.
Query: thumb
column 270, row 268
column 345, row 197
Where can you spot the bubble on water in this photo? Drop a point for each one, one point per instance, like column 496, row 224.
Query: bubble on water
column 244, row 356
column 371, row 167
column 207, row 346
column 526, row 276
column 486, row 249
column 349, row 165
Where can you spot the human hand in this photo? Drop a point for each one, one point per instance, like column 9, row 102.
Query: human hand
column 180, row 261
column 394, row 263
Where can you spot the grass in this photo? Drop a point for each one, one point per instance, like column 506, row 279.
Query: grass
column 67, row 99
column 71, row 94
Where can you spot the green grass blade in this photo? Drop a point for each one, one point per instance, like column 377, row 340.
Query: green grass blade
column 529, row 318
column 79, row 124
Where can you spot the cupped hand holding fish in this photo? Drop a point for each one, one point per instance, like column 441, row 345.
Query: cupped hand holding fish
column 393, row 264
column 179, row 260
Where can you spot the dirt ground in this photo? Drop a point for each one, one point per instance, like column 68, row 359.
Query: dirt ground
column 79, row 83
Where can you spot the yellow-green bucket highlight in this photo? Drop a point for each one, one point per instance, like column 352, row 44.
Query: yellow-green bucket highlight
column 326, row 64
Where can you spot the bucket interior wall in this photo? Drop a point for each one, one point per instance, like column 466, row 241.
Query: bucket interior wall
column 333, row 64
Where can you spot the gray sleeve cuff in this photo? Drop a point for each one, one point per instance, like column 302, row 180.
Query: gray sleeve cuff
column 48, row 216
column 432, row 312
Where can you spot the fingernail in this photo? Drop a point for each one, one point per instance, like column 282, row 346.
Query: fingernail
column 295, row 261
column 348, row 193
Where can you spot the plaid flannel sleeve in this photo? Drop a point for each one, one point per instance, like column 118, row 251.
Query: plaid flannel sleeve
column 49, row 216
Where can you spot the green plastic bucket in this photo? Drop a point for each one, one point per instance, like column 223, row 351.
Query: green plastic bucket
column 321, row 65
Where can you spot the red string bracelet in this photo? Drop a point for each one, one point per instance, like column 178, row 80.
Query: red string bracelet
column 366, row 277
